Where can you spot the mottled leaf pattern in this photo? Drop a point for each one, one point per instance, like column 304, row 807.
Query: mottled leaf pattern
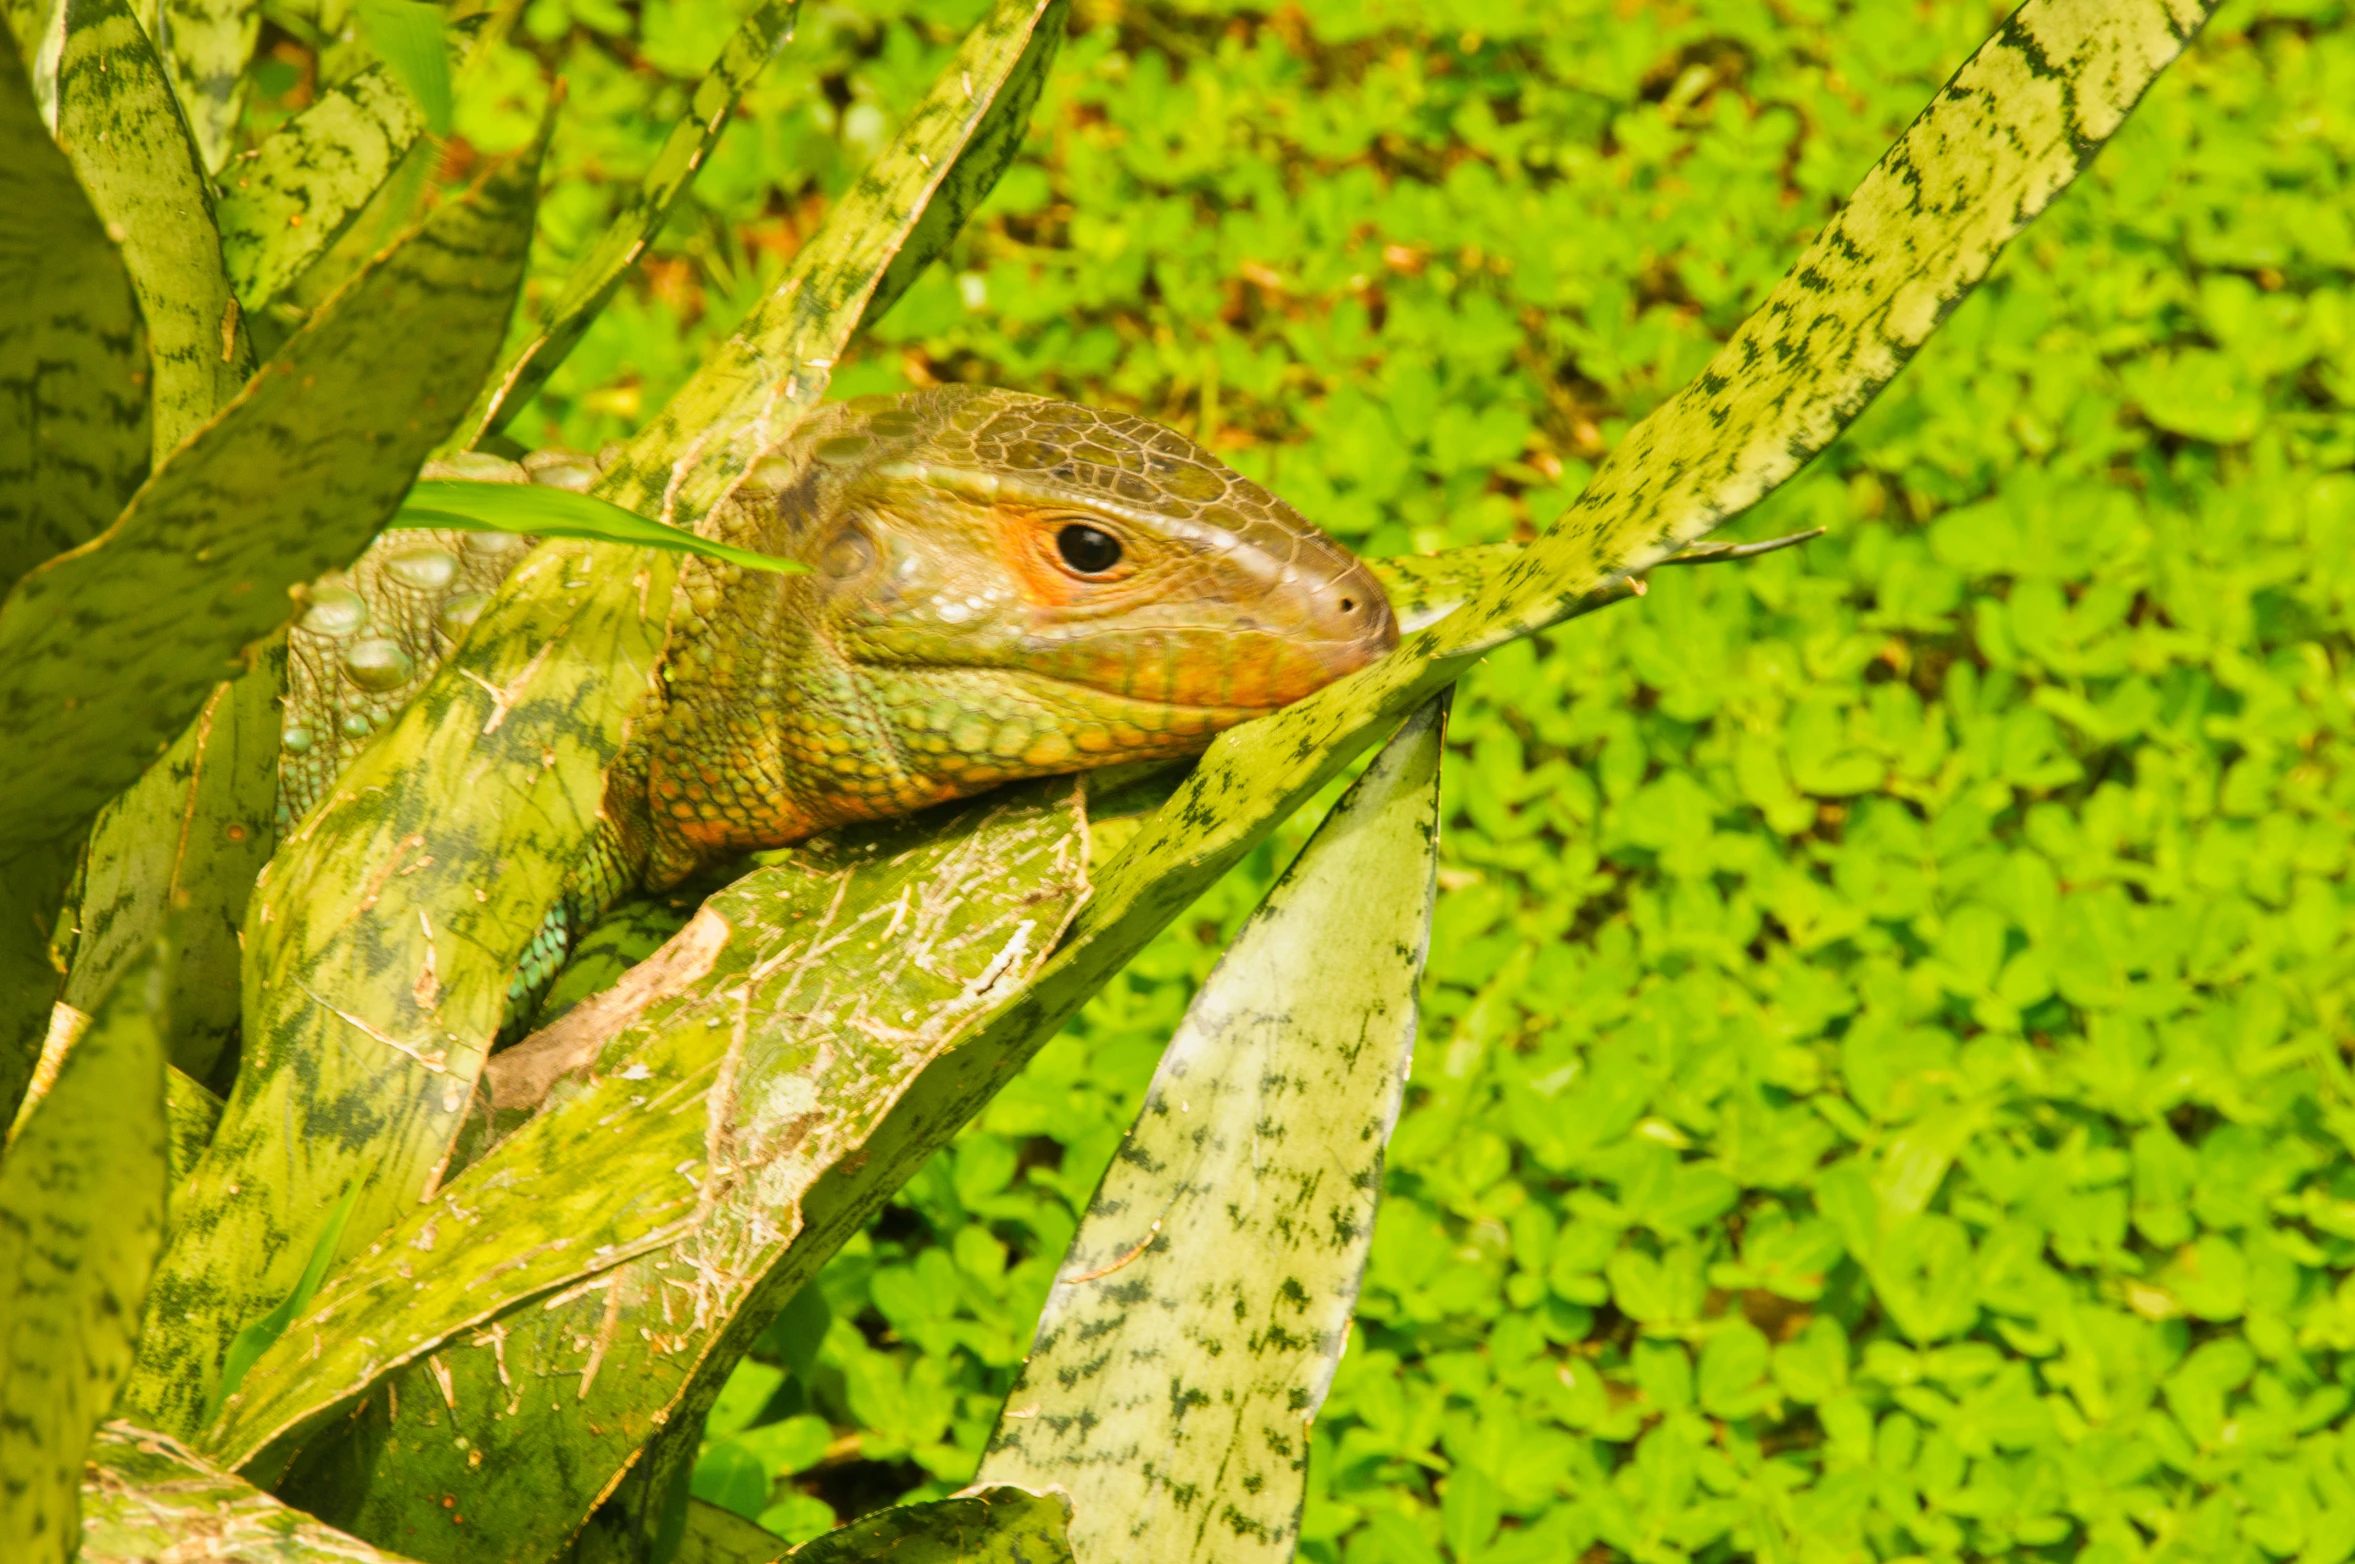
column 81, row 1214
column 173, row 859
column 118, row 121
column 595, row 277
column 994, row 1525
column 110, row 651
column 1998, row 143
column 205, row 44
column 73, row 351
column 751, row 392
column 379, row 952
column 532, row 1311
column 283, row 206
column 1200, row 1311
column 147, row 1498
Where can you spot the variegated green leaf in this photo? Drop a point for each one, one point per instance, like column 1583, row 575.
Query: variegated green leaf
column 110, row 651
column 283, row 206
column 771, row 371
column 81, row 1214
column 118, row 121
column 147, row 1498
column 293, row 477
column 725, row 1079
column 205, row 44
column 73, row 351
column 1194, row 1327
column 993, row 1525
column 591, row 286
column 716, row 1536
column 171, row 862
column 380, row 889
column 409, row 37
column 1991, row 150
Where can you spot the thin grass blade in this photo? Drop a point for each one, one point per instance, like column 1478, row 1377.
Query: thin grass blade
column 560, row 513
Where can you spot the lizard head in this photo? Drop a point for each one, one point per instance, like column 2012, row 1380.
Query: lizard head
column 1000, row 586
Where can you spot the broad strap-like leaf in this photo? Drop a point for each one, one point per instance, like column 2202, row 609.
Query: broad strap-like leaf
column 998, row 1524
column 147, row 1497
column 2004, row 137
column 763, row 35
column 205, row 44
column 171, row 863
column 293, row 477
column 1194, row 1327
column 410, row 38
column 81, row 1216
column 119, row 122
column 758, row 385
column 109, row 651
column 501, row 761
column 73, row 350
column 282, row 207
column 557, row 1260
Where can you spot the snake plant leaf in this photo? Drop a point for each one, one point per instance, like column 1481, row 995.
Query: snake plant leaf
column 191, row 1112
column 146, row 1497
column 561, row 513
column 713, row 1535
column 998, row 1524
column 171, row 863
column 408, row 36
column 118, row 121
column 1195, row 1324
column 2017, row 122
column 111, row 649
column 73, row 350
column 762, row 37
column 771, row 371
column 205, row 45
column 286, row 203
column 81, row 1215
column 378, row 953
column 595, row 1276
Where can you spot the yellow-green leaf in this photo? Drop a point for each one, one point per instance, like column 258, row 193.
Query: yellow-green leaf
column 1199, row 1313
column 73, row 350
column 81, row 1214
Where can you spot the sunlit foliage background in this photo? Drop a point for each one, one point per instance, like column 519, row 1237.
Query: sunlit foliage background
column 1884, row 1086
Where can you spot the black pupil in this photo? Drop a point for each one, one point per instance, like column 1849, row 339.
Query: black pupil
column 1088, row 550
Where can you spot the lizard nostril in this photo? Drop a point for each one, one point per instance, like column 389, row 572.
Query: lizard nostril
column 1349, row 605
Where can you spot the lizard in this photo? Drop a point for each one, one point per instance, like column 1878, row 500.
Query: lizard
column 998, row 586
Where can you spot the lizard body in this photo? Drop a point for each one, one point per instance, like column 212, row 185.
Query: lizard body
column 1000, row 586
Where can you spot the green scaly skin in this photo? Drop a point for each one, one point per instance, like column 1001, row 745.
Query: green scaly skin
column 944, row 640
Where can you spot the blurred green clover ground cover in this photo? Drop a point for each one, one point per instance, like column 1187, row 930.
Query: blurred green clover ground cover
column 1884, row 1088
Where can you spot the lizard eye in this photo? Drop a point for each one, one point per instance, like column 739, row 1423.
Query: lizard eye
column 1088, row 550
